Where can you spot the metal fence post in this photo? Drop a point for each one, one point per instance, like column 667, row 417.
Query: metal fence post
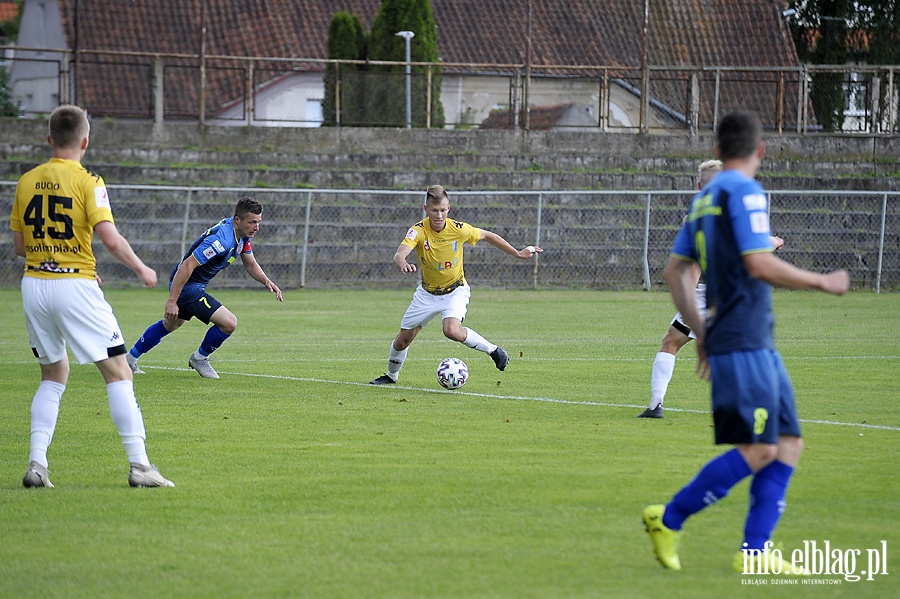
column 250, row 98
column 780, row 110
column 876, row 100
column 514, row 100
column 337, row 94
column 428, row 101
column 647, row 245
column 881, row 243
column 65, row 83
column 537, row 237
column 716, row 99
column 305, row 241
column 695, row 105
column 604, row 101
column 892, row 112
column 159, row 93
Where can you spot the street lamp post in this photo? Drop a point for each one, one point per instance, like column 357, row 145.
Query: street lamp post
column 408, row 35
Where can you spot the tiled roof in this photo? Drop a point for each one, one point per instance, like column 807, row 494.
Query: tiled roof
column 542, row 118
column 569, row 32
column 8, row 11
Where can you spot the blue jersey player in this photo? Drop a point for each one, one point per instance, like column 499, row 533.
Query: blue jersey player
column 218, row 247
column 727, row 234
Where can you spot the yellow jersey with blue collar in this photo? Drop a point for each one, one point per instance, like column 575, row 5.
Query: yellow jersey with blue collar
column 441, row 254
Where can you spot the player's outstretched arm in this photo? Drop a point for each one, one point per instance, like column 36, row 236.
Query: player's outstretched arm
column 121, row 250
column 400, row 259
column 775, row 271
column 255, row 270
column 500, row 243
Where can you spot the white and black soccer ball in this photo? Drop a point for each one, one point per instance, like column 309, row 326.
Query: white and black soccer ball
column 452, row 373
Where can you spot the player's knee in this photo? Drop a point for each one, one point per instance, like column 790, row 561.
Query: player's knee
column 404, row 339
column 172, row 325
column 673, row 341
column 789, row 450
column 759, row 455
column 454, row 332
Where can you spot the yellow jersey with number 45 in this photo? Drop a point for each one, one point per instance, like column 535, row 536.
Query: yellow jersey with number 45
column 441, row 254
column 57, row 206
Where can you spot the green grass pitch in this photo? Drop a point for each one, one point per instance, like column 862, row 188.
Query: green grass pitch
column 297, row 479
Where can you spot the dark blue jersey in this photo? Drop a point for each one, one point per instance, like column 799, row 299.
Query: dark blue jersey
column 214, row 250
column 728, row 219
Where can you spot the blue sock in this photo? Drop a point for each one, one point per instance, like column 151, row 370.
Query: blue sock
column 150, row 339
column 711, row 484
column 767, row 492
column 213, row 341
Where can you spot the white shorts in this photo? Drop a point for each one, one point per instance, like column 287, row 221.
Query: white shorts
column 425, row 306
column 73, row 311
column 678, row 322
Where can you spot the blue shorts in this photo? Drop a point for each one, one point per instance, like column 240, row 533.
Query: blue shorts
column 194, row 301
column 752, row 398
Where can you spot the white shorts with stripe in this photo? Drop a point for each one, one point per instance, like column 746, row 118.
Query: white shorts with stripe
column 678, row 322
column 425, row 306
column 73, row 312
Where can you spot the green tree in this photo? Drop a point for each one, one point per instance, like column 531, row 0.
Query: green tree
column 820, row 35
column 387, row 95
column 9, row 29
column 346, row 40
column 8, row 106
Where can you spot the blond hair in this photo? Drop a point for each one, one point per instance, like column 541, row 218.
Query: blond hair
column 707, row 170
column 68, row 126
column 436, row 194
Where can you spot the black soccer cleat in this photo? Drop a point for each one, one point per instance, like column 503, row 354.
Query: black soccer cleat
column 656, row 412
column 383, row 380
column 500, row 358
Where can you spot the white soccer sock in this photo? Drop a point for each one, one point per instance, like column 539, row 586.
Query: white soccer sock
column 476, row 341
column 663, row 366
column 395, row 361
column 44, row 412
column 126, row 414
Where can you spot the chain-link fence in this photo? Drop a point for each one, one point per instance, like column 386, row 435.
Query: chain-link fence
column 320, row 238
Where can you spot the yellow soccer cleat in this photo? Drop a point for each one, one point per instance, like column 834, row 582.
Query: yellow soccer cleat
column 665, row 540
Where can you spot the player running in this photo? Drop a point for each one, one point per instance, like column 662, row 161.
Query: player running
column 209, row 254
column 727, row 234
column 438, row 242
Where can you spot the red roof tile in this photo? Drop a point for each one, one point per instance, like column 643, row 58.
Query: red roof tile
column 570, row 32
column 8, row 11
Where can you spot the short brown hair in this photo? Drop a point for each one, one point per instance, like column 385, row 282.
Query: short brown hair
column 436, row 194
column 68, row 126
column 247, row 205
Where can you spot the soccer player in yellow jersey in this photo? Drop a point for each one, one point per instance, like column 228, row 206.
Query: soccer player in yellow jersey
column 59, row 206
column 438, row 242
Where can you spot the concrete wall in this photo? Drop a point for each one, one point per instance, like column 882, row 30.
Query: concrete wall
column 27, row 135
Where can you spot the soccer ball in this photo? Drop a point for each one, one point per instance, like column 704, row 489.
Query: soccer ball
column 452, row 373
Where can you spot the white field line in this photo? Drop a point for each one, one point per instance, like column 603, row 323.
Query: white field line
column 510, row 397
